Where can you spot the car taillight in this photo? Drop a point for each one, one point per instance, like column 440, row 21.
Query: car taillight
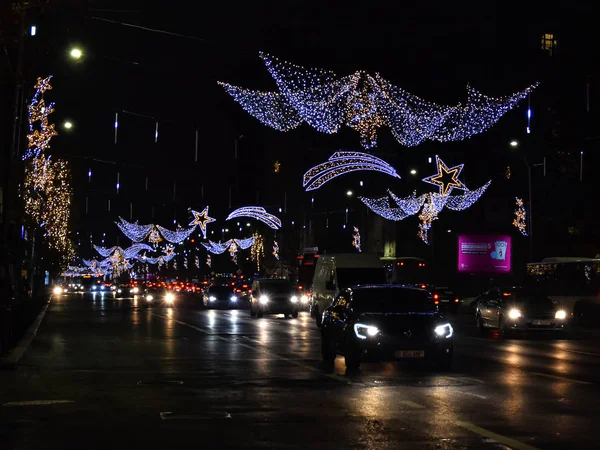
column 456, row 300
column 436, row 302
column 436, row 296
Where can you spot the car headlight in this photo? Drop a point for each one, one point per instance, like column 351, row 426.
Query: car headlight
column 514, row 313
column 233, row 298
column 170, row 298
column 263, row 299
column 560, row 314
column 112, row 288
column 212, row 298
column 363, row 331
column 149, row 298
column 135, row 290
column 57, row 290
column 102, row 287
column 93, row 288
column 119, row 291
column 444, row 330
column 294, row 299
column 304, row 299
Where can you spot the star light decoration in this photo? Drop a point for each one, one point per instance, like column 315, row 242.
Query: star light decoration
column 365, row 103
column 356, row 240
column 258, row 213
column 276, row 250
column 430, row 204
column 520, row 220
column 343, row 162
column 201, row 219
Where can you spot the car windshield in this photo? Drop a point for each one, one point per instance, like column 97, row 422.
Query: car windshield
column 276, row 287
column 530, row 297
column 355, row 276
column 220, row 290
column 392, row 300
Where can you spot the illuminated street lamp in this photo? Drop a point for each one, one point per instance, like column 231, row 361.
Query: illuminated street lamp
column 76, row 53
column 68, row 125
column 413, row 172
column 349, row 193
column 514, row 143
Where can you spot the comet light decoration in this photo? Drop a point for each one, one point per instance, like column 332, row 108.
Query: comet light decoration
column 201, row 219
column 257, row 250
column 177, row 236
column 258, row 213
column 217, row 247
column 365, row 103
column 520, row 220
column 428, row 205
column 343, row 162
column 356, row 240
column 133, row 231
column 276, row 250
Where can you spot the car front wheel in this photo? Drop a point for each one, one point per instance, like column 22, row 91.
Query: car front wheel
column 327, row 352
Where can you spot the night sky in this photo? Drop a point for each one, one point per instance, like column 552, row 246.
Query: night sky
column 145, row 76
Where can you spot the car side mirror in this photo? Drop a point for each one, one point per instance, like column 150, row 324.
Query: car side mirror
column 330, row 285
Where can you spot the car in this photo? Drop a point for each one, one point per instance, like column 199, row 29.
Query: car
column 378, row 323
column 274, row 296
column 447, row 300
column 159, row 296
column 222, row 297
column 518, row 309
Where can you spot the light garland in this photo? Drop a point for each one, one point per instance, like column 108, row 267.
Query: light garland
column 177, row 236
column 342, row 162
column 427, row 205
column 365, row 103
column 258, row 213
column 39, row 139
column 257, row 250
column 520, row 220
column 276, row 250
column 356, row 240
column 133, row 231
column 201, row 219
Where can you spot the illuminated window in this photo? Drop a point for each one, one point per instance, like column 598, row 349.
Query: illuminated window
column 549, row 43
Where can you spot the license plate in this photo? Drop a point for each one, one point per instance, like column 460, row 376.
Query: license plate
column 445, row 301
column 541, row 322
column 410, row 354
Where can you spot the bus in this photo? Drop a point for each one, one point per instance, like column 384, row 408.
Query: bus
column 307, row 262
column 572, row 282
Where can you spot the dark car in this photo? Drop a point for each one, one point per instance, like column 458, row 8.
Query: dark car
column 159, row 296
column 274, row 296
column 386, row 323
column 515, row 309
column 222, row 297
column 447, row 300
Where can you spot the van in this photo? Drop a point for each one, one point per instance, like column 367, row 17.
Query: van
column 336, row 272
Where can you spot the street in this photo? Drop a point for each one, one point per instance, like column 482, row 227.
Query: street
column 106, row 373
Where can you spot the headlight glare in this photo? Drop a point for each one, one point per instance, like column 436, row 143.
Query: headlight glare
column 212, row 298
column 444, row 330
column 363, row 331
column 233, row 298
column 560, row 314
column 304, row 299
column 149, row 298
column 135, row 290
column 170, row 298
column 294, row 299
column 57, row 290
column 263, row 299
column 514, row 313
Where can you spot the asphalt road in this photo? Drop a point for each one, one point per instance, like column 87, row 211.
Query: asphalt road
column 104, row 373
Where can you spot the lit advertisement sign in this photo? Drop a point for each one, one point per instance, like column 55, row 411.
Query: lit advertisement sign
column 484, row 253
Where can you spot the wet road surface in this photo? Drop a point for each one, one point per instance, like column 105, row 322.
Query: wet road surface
column 105, row 373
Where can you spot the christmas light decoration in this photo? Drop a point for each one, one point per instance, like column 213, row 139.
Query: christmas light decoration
column 446, row 187
column 185, row 263
column 430, row 204
column 520, row 220
column 216, row 247
column 201, row 219
column 154, row 236
column 169, row 252
column 356, row 240
column 39, row 139
column 257, row 250
column 208, row 261
column 233, row 251
column 175, row 265
column 342, row 162
column 276, row 250
column 105, row 251
column 276, row 167
column 135, row 249
column 366, row 103
column 177, row 236
column 197, row 261
column 135, row 232
column 245, row 243
column 258, row 213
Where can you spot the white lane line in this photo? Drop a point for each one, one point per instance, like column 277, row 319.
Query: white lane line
column 472, row 394
column 38, row 402
column 509, row 442
column 556, row 377
column 582, row 353
column 411, row 404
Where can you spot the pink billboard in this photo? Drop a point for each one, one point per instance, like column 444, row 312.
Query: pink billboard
column 484, row 253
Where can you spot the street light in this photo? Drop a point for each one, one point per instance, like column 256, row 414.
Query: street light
column 413, row 172
column 349, row 193
column 68, row 125
column 514, row 143
column 76, row 53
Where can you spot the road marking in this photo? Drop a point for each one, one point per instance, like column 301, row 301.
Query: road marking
column 583, row 353
column 509, row 442
column 411, row 404
column 472, row 394
column 38, row 402
column 476, row 380
column 556, row 377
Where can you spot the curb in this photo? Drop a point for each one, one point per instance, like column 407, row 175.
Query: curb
column 11, row 360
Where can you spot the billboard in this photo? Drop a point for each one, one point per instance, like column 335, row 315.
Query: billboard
column 484, row 253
